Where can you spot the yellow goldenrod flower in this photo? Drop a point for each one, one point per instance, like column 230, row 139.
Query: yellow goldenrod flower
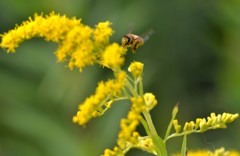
column 52, row 27
column 112, row 57
column 102, row 32
column 138, row 104
column 128, row 137
column 79, row 44
column 189, row 126
column 128, row 126
column 136, row 68
column 145, row 144
column 233, row 153
column 136, row 141
column 202, row 124
column 214, row 122
column 176, row 126
column 217, row 152
column 98, row 103
column 115, row 152
column 150, row 100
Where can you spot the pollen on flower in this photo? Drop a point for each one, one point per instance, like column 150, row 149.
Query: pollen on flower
column 82, row 57
column 102, row 32
column 76, row 39
column 138, row 104
column 112, row 57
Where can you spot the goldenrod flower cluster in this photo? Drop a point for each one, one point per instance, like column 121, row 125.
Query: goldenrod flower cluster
column 202, row 124
column 150, row 100
column 217, row 152
column 143, row 143
column 136, row 68
column 112, row 57
column 97, row 104
column 102, row 33
column 79, row 44
column 146, row 144
column 127, row 137
column 129, row 124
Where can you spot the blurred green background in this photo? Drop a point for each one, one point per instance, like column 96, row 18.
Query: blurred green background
column 192, row 58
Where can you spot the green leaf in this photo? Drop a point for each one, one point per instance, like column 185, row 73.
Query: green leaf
column 159, row 145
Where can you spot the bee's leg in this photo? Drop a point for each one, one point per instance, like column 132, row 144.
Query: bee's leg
column 135, row 46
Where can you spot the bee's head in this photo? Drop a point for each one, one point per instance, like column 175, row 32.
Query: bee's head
column 126, row 40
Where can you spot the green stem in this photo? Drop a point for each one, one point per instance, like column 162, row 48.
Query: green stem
column 184, row 146
column 141, row 87
column 157, row 141
column 168, row 130
column 131, row 88
column 150, row 123
column 145, row 125
column 181, row 134
column 135, row 86
column 121, row 98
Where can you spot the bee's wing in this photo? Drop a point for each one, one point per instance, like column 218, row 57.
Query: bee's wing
column 147, row 35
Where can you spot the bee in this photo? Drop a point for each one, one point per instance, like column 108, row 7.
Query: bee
column 134, row 41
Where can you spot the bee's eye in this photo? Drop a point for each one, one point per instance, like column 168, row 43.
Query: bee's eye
column 125, row 40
